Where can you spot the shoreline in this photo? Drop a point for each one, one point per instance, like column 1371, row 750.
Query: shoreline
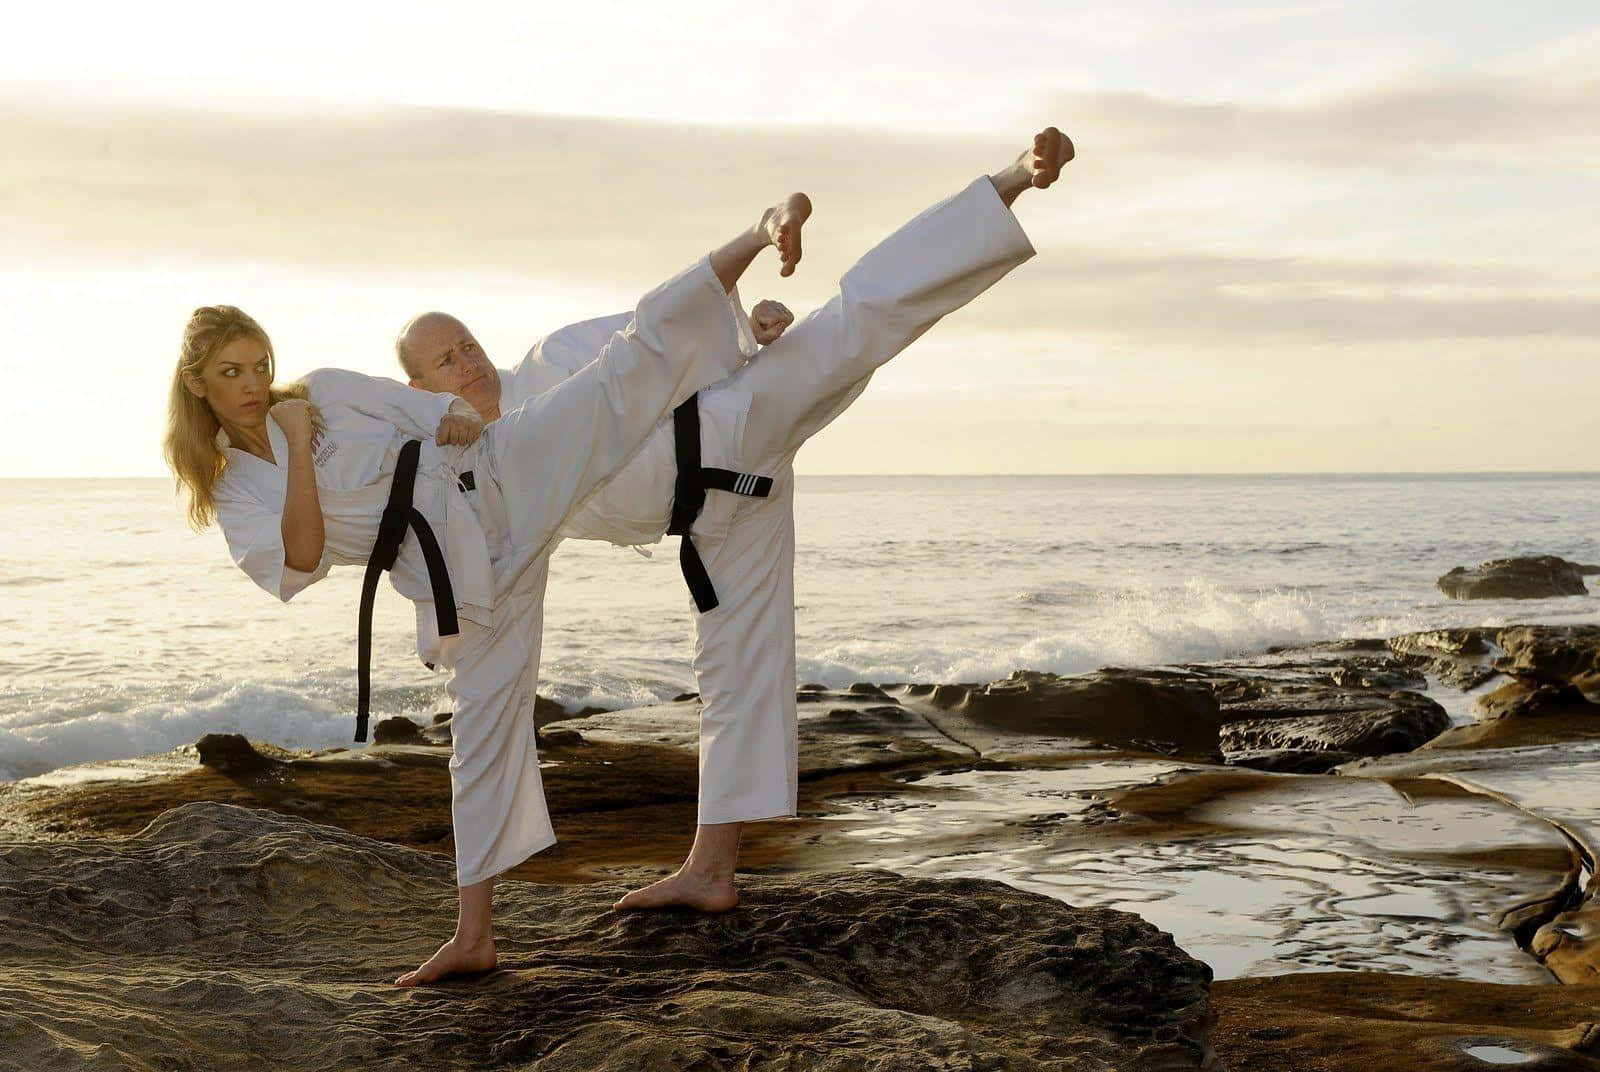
column 1216, row 801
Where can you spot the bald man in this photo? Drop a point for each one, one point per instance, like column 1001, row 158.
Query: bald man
column 732, row 457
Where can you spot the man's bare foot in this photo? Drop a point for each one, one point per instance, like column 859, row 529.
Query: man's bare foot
column 782, row 223
column 453, row 959
column 1037, row 167
column 679, row 888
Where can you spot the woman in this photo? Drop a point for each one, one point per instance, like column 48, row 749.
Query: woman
column 299, row 478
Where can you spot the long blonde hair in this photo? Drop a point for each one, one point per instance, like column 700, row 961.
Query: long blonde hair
column 191, row 440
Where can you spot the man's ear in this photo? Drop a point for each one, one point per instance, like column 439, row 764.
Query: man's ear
column 414, row 382
column 195, row 385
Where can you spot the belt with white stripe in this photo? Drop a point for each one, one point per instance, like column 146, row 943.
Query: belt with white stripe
column 689, row 496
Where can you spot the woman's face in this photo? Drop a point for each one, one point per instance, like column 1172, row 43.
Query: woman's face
column 236, row 382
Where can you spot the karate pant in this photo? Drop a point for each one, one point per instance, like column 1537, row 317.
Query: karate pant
column 532, row 468
column 744, row 647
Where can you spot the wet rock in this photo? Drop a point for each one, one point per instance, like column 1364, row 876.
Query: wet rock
column 1569, row 945
column 231, row 753
column 546, row 710
column 1290, row 760
column 554, row 739
column 1458, row 657
column 868, row 736
column 224, row 921
column 1517, row 733
column 1324, row 648
column 1277, row 700
column 1387, row 1021
column 1536, row 699
column 1354, row 664
column 1552, row 653
column 1171, row 712
column 397, row 730
column 1532, row 577
column 441, row 731
column 1385, row 678
column 838, row 731
column 1361, row 723
column 1463, row 643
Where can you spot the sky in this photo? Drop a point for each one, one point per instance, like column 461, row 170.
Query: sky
column 1298, row 236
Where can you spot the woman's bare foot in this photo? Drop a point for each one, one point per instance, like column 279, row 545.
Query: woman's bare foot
column 685, row 889
column 782, row 223
column 453, row 959
column 1037, row 167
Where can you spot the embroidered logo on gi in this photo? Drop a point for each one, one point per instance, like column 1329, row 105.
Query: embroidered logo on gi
column 322, row 448
column 466, row 483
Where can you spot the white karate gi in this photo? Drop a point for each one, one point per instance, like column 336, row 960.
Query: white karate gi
column 754, row 422
column 530, row 469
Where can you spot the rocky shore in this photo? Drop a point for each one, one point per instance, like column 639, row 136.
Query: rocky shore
column 1373, row 853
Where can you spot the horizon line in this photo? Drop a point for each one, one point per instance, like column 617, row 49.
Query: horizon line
column 1132, row 473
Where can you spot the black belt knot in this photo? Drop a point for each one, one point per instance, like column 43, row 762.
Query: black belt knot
column 398, row 516
column 689, row 497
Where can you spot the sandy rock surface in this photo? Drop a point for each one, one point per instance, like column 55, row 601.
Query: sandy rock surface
column 224, row 937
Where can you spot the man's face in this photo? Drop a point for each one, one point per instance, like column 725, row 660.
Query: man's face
column 447, row 358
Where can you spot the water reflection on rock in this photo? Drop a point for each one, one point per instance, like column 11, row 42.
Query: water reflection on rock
column 1294, row 874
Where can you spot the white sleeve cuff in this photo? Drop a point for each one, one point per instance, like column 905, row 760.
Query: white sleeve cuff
column 747, row 336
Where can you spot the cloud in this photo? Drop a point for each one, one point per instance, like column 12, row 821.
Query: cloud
column 1539, row 118
column 1187, row 299
column 392, row 191
column 386, row 190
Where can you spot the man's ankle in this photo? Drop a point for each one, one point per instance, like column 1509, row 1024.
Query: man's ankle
column 709, row 875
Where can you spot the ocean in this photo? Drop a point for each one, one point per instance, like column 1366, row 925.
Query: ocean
column 127, row 634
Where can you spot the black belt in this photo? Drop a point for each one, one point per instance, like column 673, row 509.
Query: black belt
column 689, row 495
column 399, row 515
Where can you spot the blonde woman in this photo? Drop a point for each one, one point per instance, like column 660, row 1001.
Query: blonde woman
column 322, row 473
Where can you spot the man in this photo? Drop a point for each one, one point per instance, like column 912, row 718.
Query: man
column 740, row 564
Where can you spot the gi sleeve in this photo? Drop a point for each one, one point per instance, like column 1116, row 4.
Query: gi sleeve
column 741, row 320
column 567, row 351
column 563, row 353
column 555, row 449
column 255, row 540
column 414, row 412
